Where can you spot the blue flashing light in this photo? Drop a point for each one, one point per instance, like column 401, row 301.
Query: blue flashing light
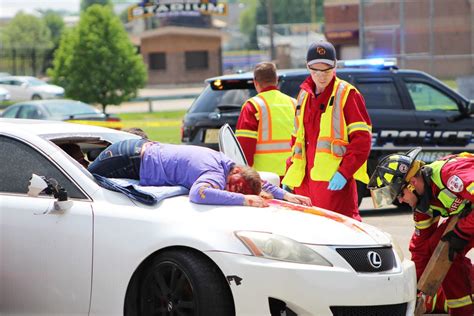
column 369, row 63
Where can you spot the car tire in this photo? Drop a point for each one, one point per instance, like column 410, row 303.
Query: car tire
column 180, row 282
column 36, row 97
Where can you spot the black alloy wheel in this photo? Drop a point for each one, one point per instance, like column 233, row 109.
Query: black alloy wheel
column 167, row 291
column 180, row 282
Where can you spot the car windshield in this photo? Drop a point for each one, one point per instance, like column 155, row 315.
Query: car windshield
column 66, row 109
column 35, row 82
column 210, row 99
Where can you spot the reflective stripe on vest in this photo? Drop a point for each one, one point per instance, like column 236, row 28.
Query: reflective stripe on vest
column 451, row 202
column 426, row 223
column 299, row 102
column 459, row 302
column 275, row 110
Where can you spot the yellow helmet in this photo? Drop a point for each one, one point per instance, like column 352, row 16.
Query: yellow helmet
column 391, row 176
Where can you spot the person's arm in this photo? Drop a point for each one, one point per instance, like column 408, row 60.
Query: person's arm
column 281, row 194
column 247, row 131
column 208, row 193
column 360, row 137
column 419, row 247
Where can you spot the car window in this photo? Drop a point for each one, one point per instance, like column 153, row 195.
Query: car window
column 35, row 82
column 62, row 109
column 16, row 82
column 18, row 161
column 209, row 99
column 291, row 87
column 379, row 94
column 11, row 112
column 29, row 112
column 428, row 98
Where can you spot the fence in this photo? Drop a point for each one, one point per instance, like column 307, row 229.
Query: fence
column 26, row 61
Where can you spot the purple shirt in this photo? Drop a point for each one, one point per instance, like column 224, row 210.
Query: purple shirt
column 202, row 170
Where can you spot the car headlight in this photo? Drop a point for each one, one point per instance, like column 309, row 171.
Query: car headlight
column 396, row 247
column 278, row 247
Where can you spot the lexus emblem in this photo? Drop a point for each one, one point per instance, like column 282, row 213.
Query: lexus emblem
column 374, row 259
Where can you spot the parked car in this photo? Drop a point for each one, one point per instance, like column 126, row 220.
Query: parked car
column 408, row 108
column 62, row 110
column 93, row 251
column 4, row 94
column 30, row 88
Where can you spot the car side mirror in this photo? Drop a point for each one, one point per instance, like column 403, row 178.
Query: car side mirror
column 50, row 186
column 471, row 107
column 24, row 85
column 37, row 185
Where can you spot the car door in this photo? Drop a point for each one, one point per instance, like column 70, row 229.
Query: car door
column 394, row 123
column 436, row 112
column 45, row 257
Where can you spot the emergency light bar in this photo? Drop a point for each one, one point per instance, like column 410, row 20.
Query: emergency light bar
column 386, row 63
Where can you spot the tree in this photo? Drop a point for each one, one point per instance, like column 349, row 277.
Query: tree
column 55, row 24
column 287, row 11
column 87, row 3
column 24, row 37
column 96, row 62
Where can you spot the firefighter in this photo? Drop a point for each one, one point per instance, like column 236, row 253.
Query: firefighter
column 442, row 188
column 265, row 123
column 332, row 136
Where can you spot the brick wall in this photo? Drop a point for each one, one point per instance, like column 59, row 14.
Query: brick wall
column 175, row 46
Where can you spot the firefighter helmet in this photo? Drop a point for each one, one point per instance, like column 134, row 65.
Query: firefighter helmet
column 392, row 175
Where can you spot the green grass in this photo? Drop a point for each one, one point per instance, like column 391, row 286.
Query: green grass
column 160, row 126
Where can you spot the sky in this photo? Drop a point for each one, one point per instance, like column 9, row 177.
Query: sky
column 8, row 8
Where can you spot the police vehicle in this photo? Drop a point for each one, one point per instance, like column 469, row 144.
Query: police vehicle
column 408, row 108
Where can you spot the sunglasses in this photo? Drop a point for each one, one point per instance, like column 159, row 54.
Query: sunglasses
column 321, row 71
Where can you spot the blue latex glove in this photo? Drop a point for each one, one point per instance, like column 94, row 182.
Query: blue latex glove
column 337, row 182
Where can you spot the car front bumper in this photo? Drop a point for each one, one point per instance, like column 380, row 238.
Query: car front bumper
column 311, row 289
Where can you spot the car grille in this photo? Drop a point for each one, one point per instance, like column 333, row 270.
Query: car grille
column 385, row 310
column 369, row 259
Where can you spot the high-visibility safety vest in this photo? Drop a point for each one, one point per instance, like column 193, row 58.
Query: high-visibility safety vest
column 452, row 204
column 275, row 112
column 332, row 140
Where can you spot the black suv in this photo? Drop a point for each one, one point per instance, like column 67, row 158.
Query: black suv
column 407, row 107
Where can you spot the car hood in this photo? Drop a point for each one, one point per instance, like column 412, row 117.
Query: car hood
column 308, row 225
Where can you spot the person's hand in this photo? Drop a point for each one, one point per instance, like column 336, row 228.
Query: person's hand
column 298, row 199
column 255, row 201
column 456, row 243
column 337, row 182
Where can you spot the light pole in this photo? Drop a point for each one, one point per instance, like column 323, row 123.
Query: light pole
column 270, row 28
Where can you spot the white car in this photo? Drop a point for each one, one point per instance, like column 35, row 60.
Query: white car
column 94, row 251
column 4, row 94
column 30, row 88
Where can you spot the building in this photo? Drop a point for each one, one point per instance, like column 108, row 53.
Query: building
column 179, row 55
column 436, row 36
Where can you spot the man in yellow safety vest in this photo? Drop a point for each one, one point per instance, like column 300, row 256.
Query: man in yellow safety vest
column 332, row 136
column 266, row 122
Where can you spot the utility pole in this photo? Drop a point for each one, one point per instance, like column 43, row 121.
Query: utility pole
column 270, row 28
column 402, row 33
column 361, row 29
column 432, row 50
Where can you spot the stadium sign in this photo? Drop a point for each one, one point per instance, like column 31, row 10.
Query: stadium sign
column 176, row 8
